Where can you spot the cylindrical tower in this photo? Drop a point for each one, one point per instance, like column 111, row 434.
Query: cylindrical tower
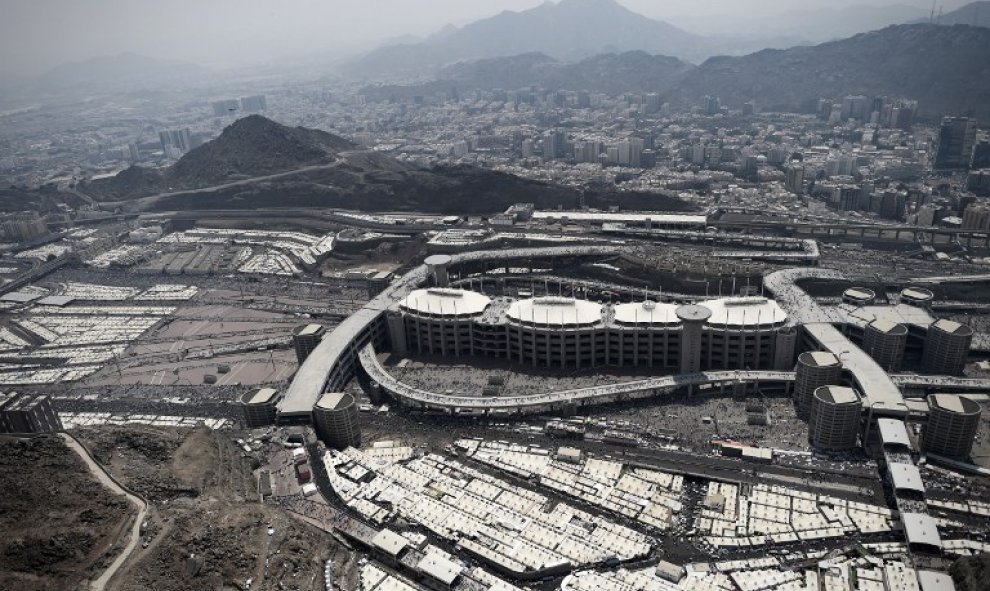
column 835, row 415
column 693, row 320
column 947, row 347
column 814, row 370
column 952, row 425
column 884, row 341
column 259, row 407
column 437, row 265
column 306, row 338
column 336, row 419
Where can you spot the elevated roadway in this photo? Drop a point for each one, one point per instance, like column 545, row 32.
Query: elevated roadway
column 560, row 400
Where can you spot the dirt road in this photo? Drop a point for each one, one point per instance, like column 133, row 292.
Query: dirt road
column 101, row 475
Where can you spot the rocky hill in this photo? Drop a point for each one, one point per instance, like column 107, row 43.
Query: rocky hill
column 59, row 527
column 236, row 171
column 256, row 146
column 568, row 30
column 250, row 147
column 947, row 69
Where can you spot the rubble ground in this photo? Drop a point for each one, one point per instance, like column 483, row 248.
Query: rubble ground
column 207, row 528
column 59, row 527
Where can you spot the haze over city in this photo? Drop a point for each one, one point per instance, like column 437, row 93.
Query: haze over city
column 36, row 36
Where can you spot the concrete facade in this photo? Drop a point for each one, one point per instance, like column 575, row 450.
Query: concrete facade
column 885, row 341
column 570, row 333
column 835, row 416
column 947, row 347
column 305, row 339
column 814, row 370
column 259, row 407
column 336, row 418
column 952, row 425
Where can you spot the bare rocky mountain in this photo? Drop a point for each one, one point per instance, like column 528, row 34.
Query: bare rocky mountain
column 250, row 147
column 568, row 30
column 59, row 527
column 256, row 146
column 947, row 69
column 258, row 163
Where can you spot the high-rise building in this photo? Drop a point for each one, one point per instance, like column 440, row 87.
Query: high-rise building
column 651, row 103
column 24, row 227
column 528, row 148
column 977, row 216
column 856, row 107
column 254, row 104
column 179, row 139
column 554, row 144
column 583, row 100
column 956, row 139
column 712, row 105
column 630, row 152
column 979, row 181
column 981, row 154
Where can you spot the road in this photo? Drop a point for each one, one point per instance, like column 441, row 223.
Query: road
column 101, row 475
column 142, row 203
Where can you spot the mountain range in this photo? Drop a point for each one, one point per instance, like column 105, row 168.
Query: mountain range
column 573, row 30
column 946, row 68
column 633, row 71
column 569, row 30
column 258, row 163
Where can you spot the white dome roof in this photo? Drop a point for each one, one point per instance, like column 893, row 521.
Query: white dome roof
column 555, row 311
column 445, row 302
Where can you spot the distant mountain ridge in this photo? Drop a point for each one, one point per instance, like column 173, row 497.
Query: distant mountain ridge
column 632, row 71
column 569, row 30
column 947, row 69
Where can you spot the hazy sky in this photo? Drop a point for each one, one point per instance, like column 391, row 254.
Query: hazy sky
column 38, row 34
